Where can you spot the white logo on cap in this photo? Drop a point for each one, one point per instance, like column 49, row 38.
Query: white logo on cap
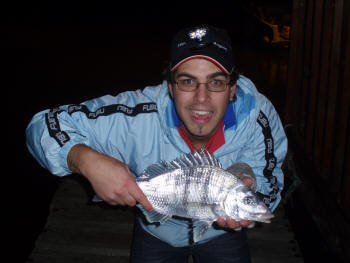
column 198, row 34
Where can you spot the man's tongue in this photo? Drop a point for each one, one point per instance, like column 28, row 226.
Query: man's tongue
column 201, row 116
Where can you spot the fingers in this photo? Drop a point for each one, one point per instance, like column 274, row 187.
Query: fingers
column 121, row 198
column 135, row 194
column 228, row 222
column 244, row 223
column 221, row 222
column 140, row 197
column 129, row 195
column 233, row 224
column 113, row 181
column 247, row 181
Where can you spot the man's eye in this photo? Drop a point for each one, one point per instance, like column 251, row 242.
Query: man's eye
column 187, row 81
column 216, row 82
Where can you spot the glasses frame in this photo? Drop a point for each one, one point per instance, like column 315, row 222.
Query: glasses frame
column 206, row 85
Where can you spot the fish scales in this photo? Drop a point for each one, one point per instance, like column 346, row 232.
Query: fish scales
column 193, row 186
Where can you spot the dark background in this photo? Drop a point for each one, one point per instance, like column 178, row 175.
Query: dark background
column 63, row 52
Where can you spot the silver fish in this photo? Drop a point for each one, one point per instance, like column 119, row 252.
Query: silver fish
column 196, row 186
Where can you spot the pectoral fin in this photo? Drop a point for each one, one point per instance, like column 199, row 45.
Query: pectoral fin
column 200, row 228
column 219, row 211
column 154, row 216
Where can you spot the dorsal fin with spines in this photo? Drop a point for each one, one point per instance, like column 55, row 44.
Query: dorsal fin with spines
column 191, row 160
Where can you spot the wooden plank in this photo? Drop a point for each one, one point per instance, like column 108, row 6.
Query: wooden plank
column 303, row 108
column 342, row 158
column 330, row 221
column 318, row 146
column 295, row 62
column 76, row 255
column 314, row 77
column 345, row 193
column 79, row 232
column 333, row 107
column 284, row 251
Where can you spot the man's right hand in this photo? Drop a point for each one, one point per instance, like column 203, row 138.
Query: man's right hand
column 110, row 178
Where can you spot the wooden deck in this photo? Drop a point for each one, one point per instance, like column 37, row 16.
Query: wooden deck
column 78, row 232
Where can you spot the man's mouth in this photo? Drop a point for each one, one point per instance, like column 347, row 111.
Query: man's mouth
column 201, row 116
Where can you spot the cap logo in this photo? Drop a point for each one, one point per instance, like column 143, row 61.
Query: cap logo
column 220, row 46
column 198, row 34
column 181, row 44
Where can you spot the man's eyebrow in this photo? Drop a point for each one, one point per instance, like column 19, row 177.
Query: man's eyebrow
column 216, row 74
column 184, row 74
column 210, row 76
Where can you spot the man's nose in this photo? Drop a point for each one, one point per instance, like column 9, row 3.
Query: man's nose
column 202, row 93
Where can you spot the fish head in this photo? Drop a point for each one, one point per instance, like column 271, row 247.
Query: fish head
column 242, row 203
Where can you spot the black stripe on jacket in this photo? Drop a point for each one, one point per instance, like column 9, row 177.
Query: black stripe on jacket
column 62, row 137
column 271, row 160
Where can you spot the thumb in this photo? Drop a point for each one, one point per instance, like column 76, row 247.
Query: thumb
column 247, row 181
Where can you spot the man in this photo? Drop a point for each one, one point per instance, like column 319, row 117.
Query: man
column 202, row 104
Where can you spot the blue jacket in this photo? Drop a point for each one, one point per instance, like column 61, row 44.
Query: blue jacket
column 139, row 128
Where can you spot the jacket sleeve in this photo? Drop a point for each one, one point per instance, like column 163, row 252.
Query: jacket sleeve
column 50, row 137
column 269, row 148
column 98, row 123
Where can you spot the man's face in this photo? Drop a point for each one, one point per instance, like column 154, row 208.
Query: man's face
column 200, row 111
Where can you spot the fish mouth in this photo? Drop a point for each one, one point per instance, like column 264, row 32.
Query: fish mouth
column 265, row 218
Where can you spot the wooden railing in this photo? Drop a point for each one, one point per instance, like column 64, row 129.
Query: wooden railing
column 318, row 97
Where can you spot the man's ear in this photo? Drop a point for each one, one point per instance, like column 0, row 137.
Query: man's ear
column 232, row 92
column 170, row 87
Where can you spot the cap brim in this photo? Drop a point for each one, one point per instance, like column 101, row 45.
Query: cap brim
column 200, row 57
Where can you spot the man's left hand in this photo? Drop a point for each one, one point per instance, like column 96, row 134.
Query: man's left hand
column 233, row 224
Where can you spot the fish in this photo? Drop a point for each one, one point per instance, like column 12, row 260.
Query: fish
column 195, row 186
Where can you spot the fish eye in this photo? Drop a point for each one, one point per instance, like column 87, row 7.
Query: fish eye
column 248, row 200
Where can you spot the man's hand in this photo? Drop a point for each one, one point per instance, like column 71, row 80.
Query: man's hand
column 110, row 178
column 233, row 224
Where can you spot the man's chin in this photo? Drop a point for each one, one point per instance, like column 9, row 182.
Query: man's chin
column 201, row 133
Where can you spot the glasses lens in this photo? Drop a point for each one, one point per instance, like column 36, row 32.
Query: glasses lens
column 216, row 85
column 187, row 84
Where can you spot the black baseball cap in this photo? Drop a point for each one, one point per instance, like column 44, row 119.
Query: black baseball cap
column 206, row 42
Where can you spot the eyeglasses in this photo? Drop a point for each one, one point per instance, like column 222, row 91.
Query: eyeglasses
column 189, row 85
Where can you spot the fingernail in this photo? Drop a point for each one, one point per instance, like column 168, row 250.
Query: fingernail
column 251, row 225
column 238, row 229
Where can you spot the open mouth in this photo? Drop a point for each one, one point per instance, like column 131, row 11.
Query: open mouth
column 201, row 116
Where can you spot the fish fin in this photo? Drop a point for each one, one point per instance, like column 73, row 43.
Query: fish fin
column 203, row 157
column 190, row 160
column 200, row 229
column 154, row 216
column 219, row 211
column 155, row 170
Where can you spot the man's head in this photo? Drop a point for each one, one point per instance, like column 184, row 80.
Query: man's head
column 202, row 80
column 205, row 42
